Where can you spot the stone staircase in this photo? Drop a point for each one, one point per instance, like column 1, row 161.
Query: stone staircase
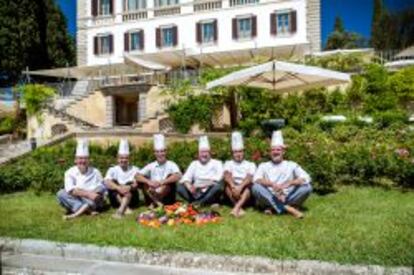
column 154, row 121
column 80, row 91
column 67, row 118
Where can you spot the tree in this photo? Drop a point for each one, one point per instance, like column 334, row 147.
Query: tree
column 32, row 34
column 376, row 18
column 341, row 39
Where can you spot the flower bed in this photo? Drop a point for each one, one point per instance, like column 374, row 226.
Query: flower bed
column 177, row 213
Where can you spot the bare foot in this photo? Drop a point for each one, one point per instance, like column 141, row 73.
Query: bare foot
column 234, row 213
column 68, row 217
column 241, row 212
column 128, row 211
column 94, row 213
column 294, row 212
column 215, row 206
column 268, row 211
column 117, row 215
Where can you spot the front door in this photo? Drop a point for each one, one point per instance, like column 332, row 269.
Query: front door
column 126, row 110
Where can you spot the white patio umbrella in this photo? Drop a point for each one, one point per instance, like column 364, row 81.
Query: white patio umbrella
column 281, row 76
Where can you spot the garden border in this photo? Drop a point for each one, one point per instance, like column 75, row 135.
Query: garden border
column 190, row 260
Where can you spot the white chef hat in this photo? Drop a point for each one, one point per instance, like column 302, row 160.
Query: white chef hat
column 203, row 143
column 82, row 148
column 159, row 142
column 237, row 141
column 277, row 139
column 123, row 147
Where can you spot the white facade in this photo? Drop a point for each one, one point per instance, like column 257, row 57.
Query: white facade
column 121, row 22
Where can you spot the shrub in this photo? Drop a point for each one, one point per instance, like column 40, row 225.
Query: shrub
column 347, row 154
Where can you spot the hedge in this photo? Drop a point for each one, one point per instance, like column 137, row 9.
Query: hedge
column 343, row 154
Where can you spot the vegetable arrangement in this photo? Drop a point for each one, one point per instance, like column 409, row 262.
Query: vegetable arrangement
column 177, row 213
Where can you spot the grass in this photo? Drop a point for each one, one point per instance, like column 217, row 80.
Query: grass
column 354, row 225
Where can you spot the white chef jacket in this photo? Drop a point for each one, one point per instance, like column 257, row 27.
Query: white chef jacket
column 122, row 177
column 89, row 181
column 198, row 173
column 239, row 170
column 158, row 172
column 280, row 173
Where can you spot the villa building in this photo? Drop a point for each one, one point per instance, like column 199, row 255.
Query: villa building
column 128, row 49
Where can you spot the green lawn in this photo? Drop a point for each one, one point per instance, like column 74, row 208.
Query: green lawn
column 354, row 225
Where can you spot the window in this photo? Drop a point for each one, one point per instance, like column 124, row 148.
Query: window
column 165, row 3
column 134, row 5
column 206, row 31
column 102, row 7
column 134, row 40
column 166, row 36
column 283, row 22
column 103, row 44
column 105, row 7
column 244, row 27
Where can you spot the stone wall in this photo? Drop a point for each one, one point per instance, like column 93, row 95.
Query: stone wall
column 91, row 109
column 313, row 24
column 81, row 33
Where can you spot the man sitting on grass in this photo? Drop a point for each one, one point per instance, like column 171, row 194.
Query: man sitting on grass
column 280, row 184
column 159, row 178
column 202, row 182
column 121, row 184
column 238, row 176
column 84, row 190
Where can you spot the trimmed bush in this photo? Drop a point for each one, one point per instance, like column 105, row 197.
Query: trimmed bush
column 344, row 155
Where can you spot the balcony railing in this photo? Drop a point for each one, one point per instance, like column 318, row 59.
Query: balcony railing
column 134, row 15
column 207, row 5
column 166, row 11
column 242, row 2
column 103, row 20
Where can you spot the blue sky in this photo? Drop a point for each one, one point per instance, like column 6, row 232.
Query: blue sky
column 356, row 14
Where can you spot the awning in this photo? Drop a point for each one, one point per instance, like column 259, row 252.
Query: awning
column 281, row 76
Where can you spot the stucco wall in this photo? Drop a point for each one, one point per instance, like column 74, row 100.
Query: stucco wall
column 91, row 109
column 186, row 23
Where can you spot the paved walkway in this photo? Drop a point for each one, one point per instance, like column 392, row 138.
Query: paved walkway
column 45, row 257
column 41, row 264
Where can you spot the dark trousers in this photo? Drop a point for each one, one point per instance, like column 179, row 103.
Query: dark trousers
column 112, row 194
column 210, row 196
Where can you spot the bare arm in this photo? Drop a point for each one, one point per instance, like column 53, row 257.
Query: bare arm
column 228, row 179
column 142, row 179
column 83, row 193
column 173, row 178
column 110, row 184
column 248, row 180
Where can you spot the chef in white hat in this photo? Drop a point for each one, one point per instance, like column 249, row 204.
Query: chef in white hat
column 202, row 182
column 159, row 178
column 238, row 175
column 281, row 185
column 121, row 184
column 84, row 190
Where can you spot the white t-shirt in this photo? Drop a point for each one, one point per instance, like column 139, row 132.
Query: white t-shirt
column 239, row 170
column 89, row 181
column 198, row 173
column 122, row 177
column 280, row 173
column 158, row 172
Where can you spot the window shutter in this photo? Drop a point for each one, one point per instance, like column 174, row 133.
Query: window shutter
column 95, row 45
column 126, row 41
column 234, row 25
column 175, row 35
column 215, row 30
column 158, row 37
column 198, row 33
column 111, row 43
column 111, row 7
column 273, row 27
column 141, row 39
column 94, row 7
column 293, row 23
column 254, row 26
